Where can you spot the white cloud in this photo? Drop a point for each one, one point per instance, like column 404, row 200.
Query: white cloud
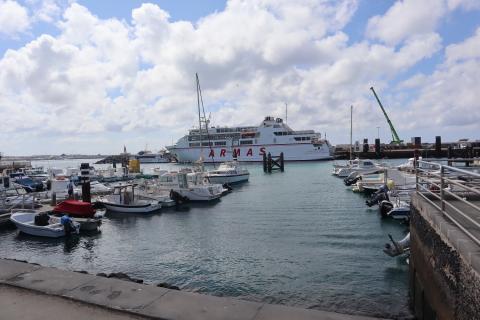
column 136, row 78
column 13, row 18
column 448, row 97
column 464, row 4
column 406, row 18
column 468, row 49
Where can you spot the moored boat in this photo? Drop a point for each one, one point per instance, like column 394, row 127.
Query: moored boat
column 124, row 201
column 228, row 172
column 272, row 136
column 41, row 224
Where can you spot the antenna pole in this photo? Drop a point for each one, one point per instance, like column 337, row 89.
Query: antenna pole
column 286, row 112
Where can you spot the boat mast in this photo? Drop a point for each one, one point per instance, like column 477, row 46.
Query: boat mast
column 286, row 113
column 351, row 129
column 199, row 118
column 203, row 119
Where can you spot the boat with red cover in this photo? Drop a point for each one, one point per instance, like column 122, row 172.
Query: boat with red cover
column 75, row 209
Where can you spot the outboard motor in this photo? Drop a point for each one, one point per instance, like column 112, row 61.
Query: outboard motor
column 385, row 207
column 351, row 180
column 68, row 225
column 397, row 247
column 177, row 197
column 379, row 195
column 227, row 186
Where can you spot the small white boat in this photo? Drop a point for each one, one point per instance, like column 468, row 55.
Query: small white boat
column 125, row 201
column 52, row 228
column 190, row 187
column 359, row 166
column 99, row 188
column 228, row 172
column 397, row 247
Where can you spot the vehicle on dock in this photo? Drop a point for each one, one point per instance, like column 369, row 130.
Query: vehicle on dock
column 43, row 225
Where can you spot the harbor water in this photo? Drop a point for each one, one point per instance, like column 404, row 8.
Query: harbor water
column 299, row 238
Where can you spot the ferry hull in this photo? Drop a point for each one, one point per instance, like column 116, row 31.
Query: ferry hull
column 292, row 152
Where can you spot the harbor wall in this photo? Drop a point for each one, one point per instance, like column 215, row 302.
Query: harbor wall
column 444, row 280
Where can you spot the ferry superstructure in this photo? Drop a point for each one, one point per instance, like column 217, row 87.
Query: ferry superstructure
column 248, row 144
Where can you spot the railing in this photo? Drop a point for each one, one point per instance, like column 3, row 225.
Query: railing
column 440, row 184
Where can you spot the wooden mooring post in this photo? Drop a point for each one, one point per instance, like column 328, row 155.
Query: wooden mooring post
column 273, row 163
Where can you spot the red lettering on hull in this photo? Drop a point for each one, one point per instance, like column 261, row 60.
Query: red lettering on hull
column 222, row 152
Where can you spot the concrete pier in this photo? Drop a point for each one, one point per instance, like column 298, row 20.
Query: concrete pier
column 445, row 262
column 109, row 298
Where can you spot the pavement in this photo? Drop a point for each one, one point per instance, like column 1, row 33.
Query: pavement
column 26, row 291
column 17, row 303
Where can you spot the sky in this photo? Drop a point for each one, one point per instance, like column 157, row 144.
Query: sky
column 92, row 76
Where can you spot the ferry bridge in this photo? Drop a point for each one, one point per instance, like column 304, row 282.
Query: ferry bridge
column 445, row 244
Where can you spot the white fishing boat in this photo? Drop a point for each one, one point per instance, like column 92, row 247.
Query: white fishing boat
column 189, row 186
column 124, row 201
column 35, row 224
column 98, row 188
column 228, row 172
column 357, row 165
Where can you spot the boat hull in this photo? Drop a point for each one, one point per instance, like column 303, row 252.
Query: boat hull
column 40, row 232
column 24, row 222
column 132, row 208
column 222, row 179
column 253, row 153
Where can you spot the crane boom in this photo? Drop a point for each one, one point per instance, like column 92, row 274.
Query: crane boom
column 395, row 138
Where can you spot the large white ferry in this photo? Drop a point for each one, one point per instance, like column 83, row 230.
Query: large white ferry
column 272, row 136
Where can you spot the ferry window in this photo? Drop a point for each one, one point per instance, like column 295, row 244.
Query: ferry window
column 277, row 126
column 206, row 144
column 196, row 144
column 246, row 142
column 220, row 143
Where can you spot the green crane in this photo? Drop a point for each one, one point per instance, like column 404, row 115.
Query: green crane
column 395, row 138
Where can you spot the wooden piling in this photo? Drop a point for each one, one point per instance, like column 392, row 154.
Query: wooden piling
column 264, row 162
column 282, row 166
column 438, row 146
column 269, row 163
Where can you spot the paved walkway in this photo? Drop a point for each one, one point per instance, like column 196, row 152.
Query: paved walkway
column 146, row 301
column 17, row 303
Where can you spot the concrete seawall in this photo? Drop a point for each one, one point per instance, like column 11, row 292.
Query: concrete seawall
column 145, row 300
column 444, row 267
